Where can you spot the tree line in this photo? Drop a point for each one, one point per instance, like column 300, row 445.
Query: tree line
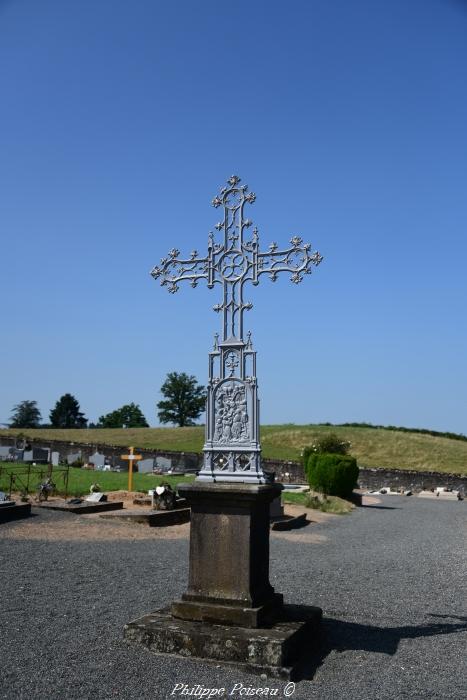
column 184, row 401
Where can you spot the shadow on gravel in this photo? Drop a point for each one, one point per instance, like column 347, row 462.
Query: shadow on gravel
column 342, row 636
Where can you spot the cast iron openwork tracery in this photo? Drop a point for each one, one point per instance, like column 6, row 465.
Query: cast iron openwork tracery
column 232, row 448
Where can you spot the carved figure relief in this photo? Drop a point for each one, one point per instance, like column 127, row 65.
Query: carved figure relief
column 231, row 414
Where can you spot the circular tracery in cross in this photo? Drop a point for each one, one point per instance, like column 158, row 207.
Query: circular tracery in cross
column 232, row 266
column 296, row 259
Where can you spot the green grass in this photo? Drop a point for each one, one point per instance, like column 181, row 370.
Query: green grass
column 80, row 480
column 373, row 447
column 326, row 504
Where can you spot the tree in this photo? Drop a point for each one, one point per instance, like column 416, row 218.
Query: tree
column 129, row 416
column 25, row 415
column 66, row 413
column 185, row 399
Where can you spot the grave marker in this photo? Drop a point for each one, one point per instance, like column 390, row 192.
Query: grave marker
column 229, row 588
column 132, row 459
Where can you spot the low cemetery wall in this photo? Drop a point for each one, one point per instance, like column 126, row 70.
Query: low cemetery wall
column 374, row 479
column 286, row 472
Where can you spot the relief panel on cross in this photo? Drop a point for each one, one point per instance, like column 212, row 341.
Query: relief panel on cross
column 232, row 399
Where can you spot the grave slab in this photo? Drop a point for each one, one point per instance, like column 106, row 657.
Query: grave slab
column 10, row 510
column 80, row 508
column 440, row 495
column 153, row 518
column 276, row 650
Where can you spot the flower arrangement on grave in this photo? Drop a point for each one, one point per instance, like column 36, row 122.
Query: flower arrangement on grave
column 164, row 497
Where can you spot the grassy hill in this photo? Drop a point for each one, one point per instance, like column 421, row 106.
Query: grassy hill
column 373, row 447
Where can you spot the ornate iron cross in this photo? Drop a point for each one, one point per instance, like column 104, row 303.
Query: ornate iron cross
column 232, row 449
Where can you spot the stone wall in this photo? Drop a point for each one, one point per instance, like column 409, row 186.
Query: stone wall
column 374, row 479
column 286, row 472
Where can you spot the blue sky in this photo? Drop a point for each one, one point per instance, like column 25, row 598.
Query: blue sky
column 119, row 123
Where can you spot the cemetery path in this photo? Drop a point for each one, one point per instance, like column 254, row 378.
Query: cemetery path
column 390, row 578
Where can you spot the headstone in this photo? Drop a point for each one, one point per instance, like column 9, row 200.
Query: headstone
column 73, row 457
column 163, row 464
column 55, row 459
column 37, row 454
column 5, row 451
column 97, row 459
column 146, row 466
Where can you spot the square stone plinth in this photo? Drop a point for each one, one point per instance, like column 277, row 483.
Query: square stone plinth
column 229, row 555
column 275, row 650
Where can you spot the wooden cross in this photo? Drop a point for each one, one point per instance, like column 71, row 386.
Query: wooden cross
column 132, row 458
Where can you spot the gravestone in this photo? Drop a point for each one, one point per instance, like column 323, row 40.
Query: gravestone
column 73, row 457
column 37, row 454
column 146, row 466
column 55, row 459
column 5, row 452
column 163, row 463
column 98, row 459
column 230, row 610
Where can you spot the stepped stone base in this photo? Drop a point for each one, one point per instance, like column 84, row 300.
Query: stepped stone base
column 226, row 613
column 275, row 650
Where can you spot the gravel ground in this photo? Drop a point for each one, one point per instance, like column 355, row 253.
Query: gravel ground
column 390, row 578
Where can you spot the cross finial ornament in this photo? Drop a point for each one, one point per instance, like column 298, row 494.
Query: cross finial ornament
column 232, row 448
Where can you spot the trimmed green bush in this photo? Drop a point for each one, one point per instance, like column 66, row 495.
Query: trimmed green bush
column 327, row 443
column 306, row 452
column 332, row 474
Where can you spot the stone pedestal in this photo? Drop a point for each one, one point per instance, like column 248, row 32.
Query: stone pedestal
column 229, row 555
column 230, row 612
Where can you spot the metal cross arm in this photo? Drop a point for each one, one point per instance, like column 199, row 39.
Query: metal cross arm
column 297, row 260
column 173, row 270
column 235, row 260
